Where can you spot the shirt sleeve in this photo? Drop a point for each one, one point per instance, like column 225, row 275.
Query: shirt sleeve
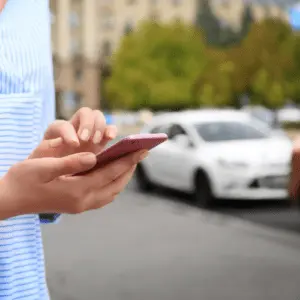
column 49, row 218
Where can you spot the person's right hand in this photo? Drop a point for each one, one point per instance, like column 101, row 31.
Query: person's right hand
column 42, row 185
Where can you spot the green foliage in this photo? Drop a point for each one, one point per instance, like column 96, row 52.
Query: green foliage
column 173, row 66
column 155, row 67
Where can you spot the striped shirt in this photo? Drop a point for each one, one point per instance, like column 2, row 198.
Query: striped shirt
column 26, row 109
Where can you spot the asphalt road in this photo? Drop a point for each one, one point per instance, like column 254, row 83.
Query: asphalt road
column 159, row 247
column 275, row 214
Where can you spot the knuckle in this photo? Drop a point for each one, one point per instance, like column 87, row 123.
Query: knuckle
column 84, row 110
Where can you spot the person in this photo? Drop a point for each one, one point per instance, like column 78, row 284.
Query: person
column 294, row 183
column 37, row 154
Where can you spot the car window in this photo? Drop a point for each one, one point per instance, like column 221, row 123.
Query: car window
column 176, row 130
column 229, row 131
column 160, row 129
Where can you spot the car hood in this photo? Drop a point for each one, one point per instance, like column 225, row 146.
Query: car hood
column 264, row 151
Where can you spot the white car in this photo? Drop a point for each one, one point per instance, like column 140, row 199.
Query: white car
column 213, row 154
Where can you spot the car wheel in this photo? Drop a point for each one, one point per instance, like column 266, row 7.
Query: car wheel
column 142, row 180
column 203, row 194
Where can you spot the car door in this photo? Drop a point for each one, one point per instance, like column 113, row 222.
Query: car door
column 178, row 159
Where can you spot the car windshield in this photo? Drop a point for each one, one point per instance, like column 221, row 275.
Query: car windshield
column 230, row 131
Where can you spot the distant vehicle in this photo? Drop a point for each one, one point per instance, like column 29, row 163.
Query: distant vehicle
column 267, row 116
column 289, row 114
column 217, row 154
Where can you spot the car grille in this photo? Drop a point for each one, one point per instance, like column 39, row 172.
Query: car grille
column 272, row 182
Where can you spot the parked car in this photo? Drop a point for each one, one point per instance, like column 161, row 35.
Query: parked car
column 217, row 154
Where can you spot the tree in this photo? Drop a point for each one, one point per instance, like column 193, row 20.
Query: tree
column 214, row 86
column 156, row 67
column 266, row 52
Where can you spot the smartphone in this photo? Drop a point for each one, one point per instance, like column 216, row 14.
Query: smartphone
column 130, row 144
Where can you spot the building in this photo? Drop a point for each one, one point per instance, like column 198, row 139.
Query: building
column 231, row 11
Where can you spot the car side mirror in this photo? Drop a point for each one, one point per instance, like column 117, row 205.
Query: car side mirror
column 182, row 140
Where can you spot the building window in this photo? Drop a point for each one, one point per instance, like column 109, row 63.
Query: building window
column 176, row 2
column 78, row 73
column 154, row 16
column 74, row 19
column 106, row 48
column 53, row 18
column 75, row 47
column 107, row 19
column 128, row 28
column 225, row 4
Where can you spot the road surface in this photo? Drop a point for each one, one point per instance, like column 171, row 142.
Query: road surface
column 155, row 247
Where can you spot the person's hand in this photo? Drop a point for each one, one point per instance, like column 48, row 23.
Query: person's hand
column 43, row 185
column 2, row 4
column 85, row 132
column 294, row 187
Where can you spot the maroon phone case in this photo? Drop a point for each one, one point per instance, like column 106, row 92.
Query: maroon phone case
column 132, row 143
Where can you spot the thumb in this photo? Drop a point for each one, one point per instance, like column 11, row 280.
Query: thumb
column 49, row 168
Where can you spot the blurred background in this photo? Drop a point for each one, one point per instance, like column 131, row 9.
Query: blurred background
column 208, row 215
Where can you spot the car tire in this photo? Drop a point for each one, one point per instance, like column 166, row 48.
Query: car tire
column 203, row 193
column 143, row 182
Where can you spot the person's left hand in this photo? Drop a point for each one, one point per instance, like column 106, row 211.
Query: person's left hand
column 86, row 131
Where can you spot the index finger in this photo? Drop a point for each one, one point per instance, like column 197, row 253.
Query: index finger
column 64, row 129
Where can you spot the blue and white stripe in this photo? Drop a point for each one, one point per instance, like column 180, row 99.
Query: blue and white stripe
column 26, row 109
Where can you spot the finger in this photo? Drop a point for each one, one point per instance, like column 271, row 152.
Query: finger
column 64, row 129
column 99, row 126
column 112, row 171
column 83, row 122
column 47, row 148
column 111, row 191
column 110, row 133
column 48, row 169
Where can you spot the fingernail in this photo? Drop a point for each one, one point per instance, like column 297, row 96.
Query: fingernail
column 97, row 137
column 85, row 135
column 111, row 134
column 87, row 158
column 141, row 155
column 75, row 142
column 56, row 142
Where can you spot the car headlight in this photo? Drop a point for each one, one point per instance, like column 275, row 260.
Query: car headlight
column 232, row 164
